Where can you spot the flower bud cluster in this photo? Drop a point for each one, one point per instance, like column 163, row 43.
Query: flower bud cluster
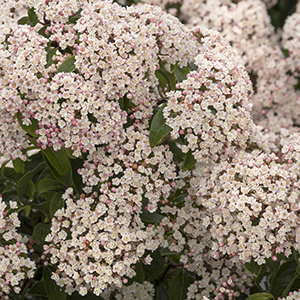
column 15, row 265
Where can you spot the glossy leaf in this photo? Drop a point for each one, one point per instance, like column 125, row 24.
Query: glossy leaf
column 284, row 275
column 26, row 178
column 68, row 65
column 38, row 289
column 19, row 165
column 178, row 286
column 180, row 73
column 152, row 218
column 23, row 21
column 30, row 129
column 48, row 184
column 260, row 296
column 157, row 266
column 40, row 231
column 159, row 129
column 54, row 291
column 76, row 17
column 32, row 17
column 58, row 159
column 50, row 54
column 253, row 267
column 56, row 203
column 161, row 293
column 189, row 161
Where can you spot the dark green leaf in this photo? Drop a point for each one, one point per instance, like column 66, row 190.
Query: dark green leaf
column 48, row 184
column 50, row 54
column 68, row 65
column 157, row 266
column 56, row 203
column 167, row 252
column 65, row 180
column 288, row 288
column 161, row 293
column 19, row 165
column 32, row 17
column 23, row 21
column 10, row 174
column 58, row 159
column 30, row 129
column 284, row 275
column 181, row 73
column 77, row 179
column 89, row 296
column 54, row 292
column 159, row 129
column 26, row 178
column 38, row 289
column 73, row 19
column 43, row 33
column 179, row 196
column 43, row 207
column 148, row 217
column 178, row 155
column 253, row 267
column 189, row 161
column 162, row 78
column 40, row 231
column 261, row 296
column 296, row 256
column 263, row 281
column 179, row 285
column 140, row 275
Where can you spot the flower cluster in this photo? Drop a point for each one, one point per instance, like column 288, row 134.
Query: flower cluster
column 95, row 242
column 15, row 265
column 132, row 173
column 136, row 291
column 210, row 109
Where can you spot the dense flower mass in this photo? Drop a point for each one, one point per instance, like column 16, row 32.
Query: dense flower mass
column 95, row 241
column 165, row 153
column 15, row 265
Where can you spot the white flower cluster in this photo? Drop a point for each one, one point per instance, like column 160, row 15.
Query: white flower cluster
column 95, row 242
column 15, row 265
column 136, row 291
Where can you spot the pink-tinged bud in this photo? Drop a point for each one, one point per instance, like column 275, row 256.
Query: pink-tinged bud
column 134, row 208
column 94, row 278
column 181, row 131
column 274, row 258
column 125, row 280
column 18, row 253
column 18, row 244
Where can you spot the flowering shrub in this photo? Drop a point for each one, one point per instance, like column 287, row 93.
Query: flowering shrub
column 146, row 156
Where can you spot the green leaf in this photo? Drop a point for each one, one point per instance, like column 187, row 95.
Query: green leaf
column 162, row 78
column 180, row 73
column 26, row 178
column 43, row 207
column 77, row 179
column 48, row 184
column 152, row 218
column 57, row 202
column 189, row 161
column 50, row 54
column 284, row 275
column 253, row 267
column 167, row 252
column 74, row 19
column 159, row 129
column 179, row 285
column 19, row 165
column 32, row 17
column 26, row 208
column 263, row 281
column 38, row 289
column 40, row 231
column 23, row 21
column 89, row 296
column 43, row 33
column 161, row 293
column 178, row 155
column 140, row 275
column 68, row 65
column 178, row 197
column 157, row 266
column 260, row 296
column 54, row 292
column 296, row 256
column 65, row 180
column 58, row 159
column 30, row 129
column 288, row 288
